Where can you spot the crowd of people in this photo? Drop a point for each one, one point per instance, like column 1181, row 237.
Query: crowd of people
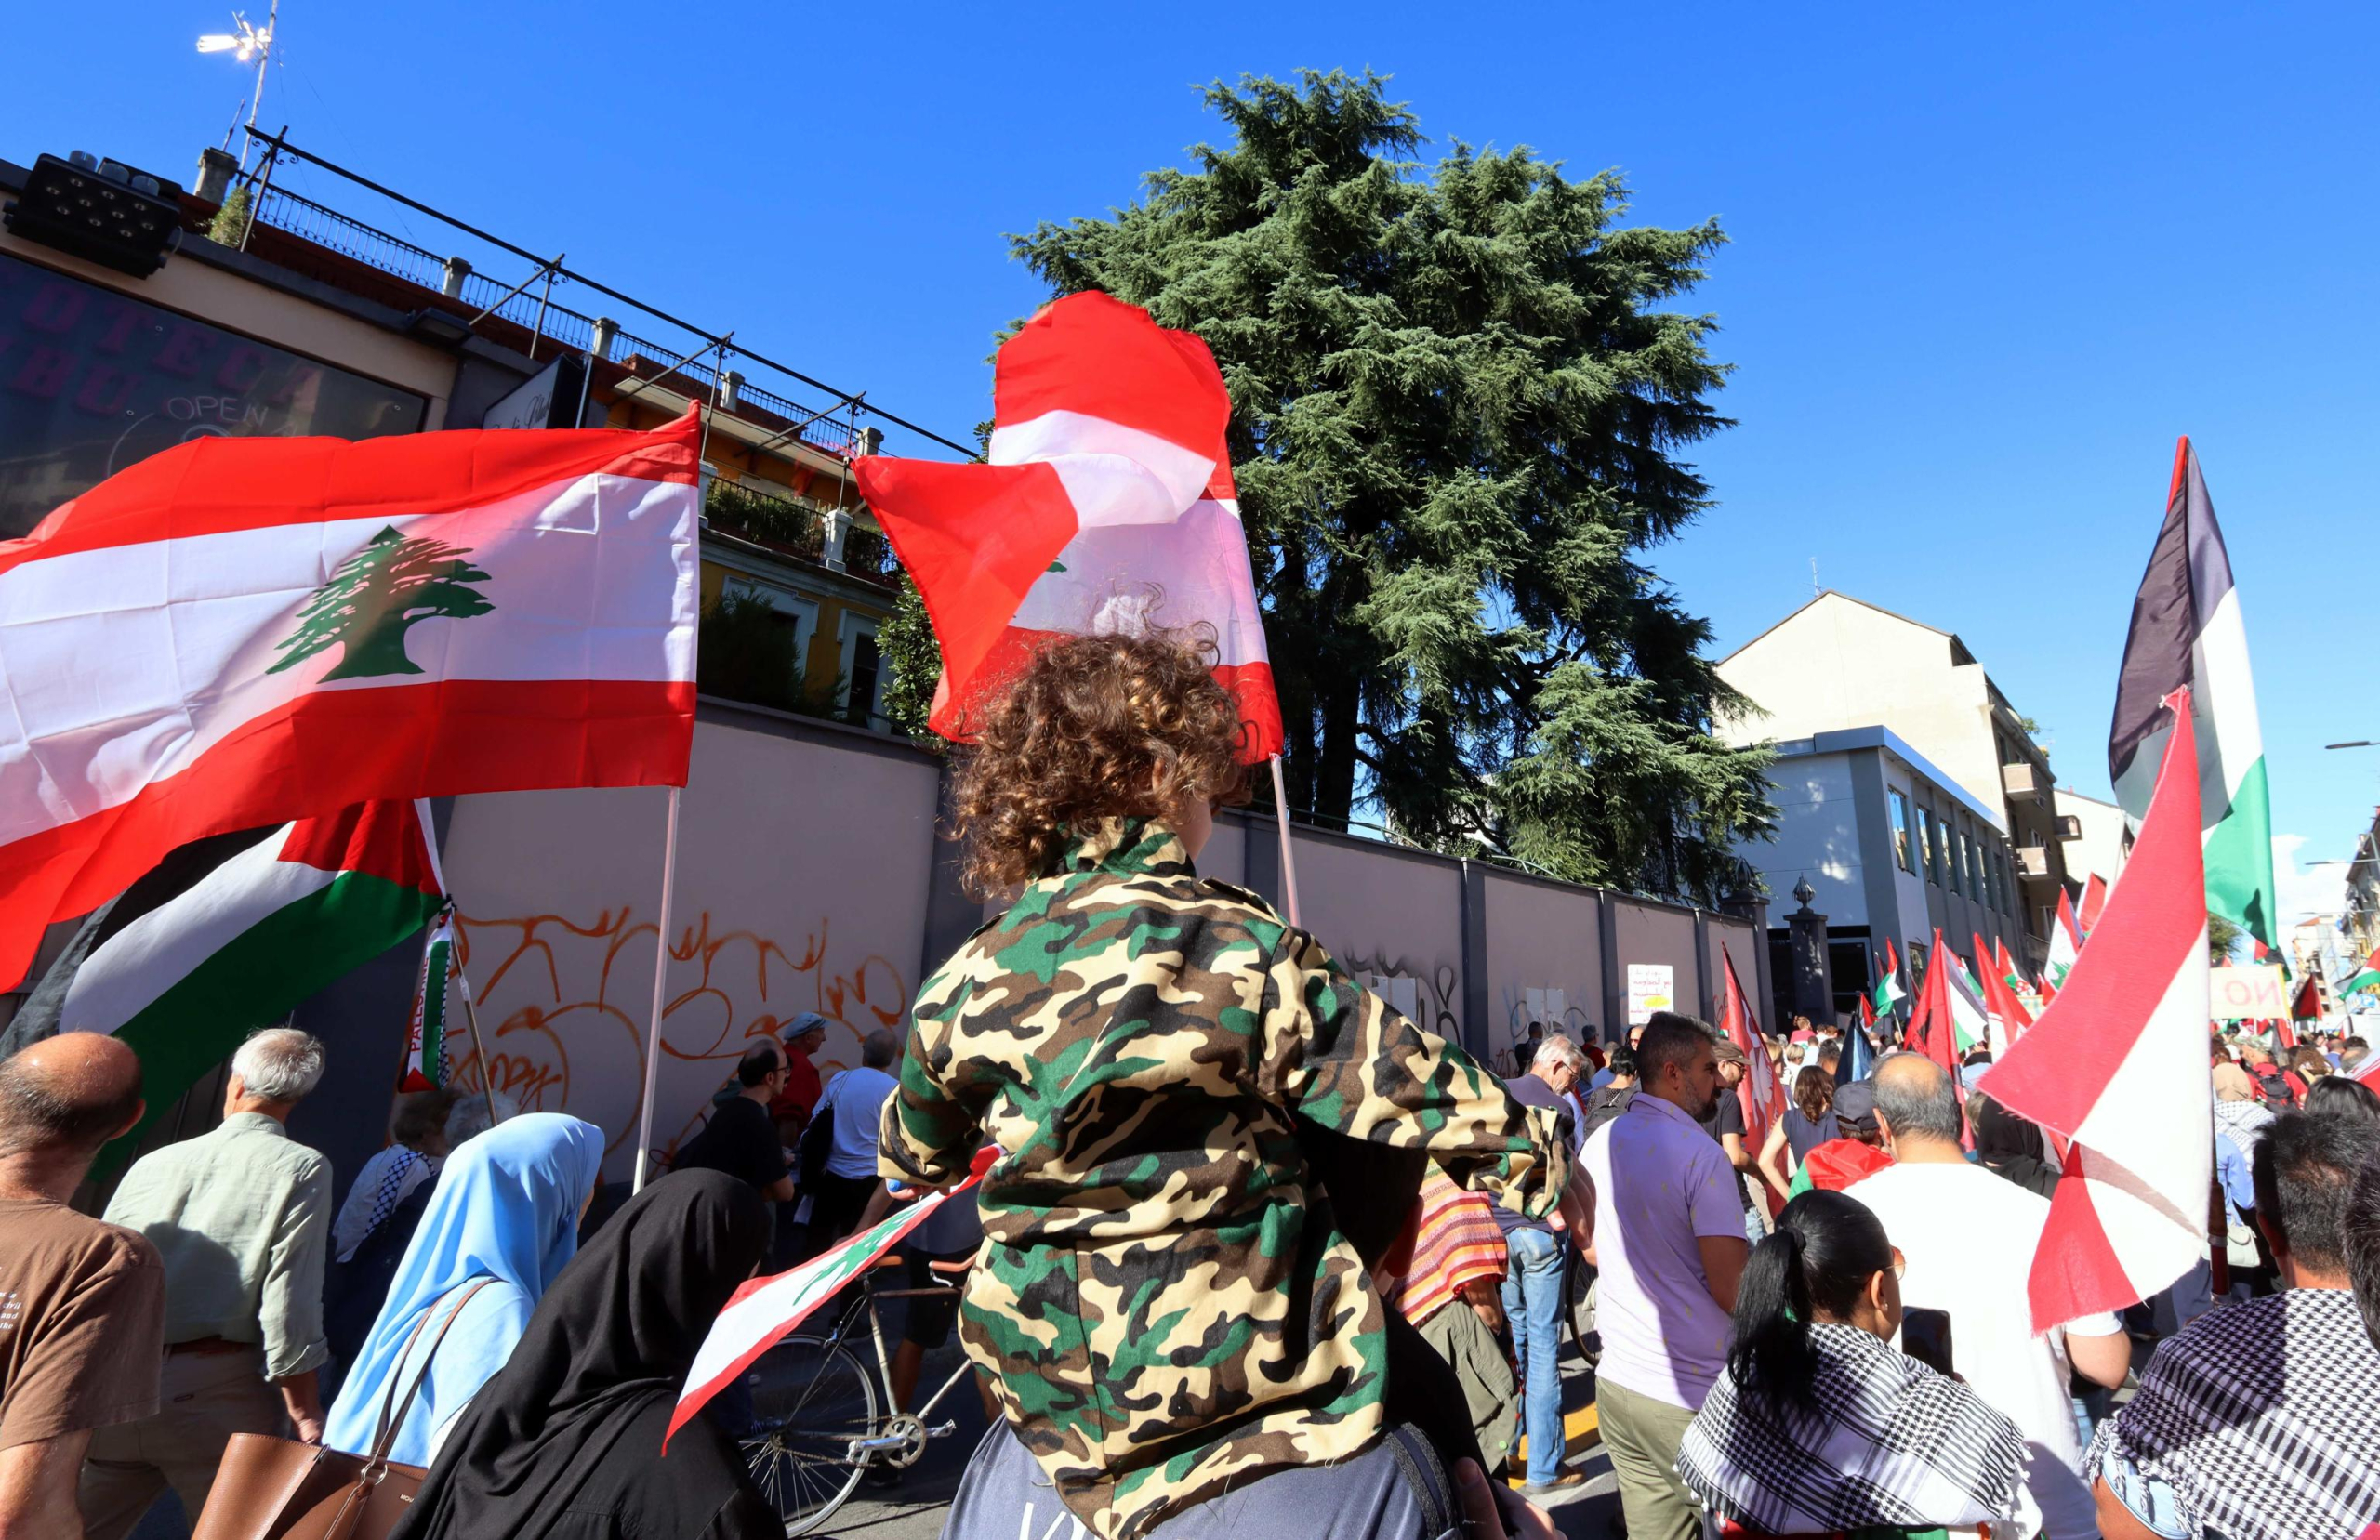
column 1256, row 1251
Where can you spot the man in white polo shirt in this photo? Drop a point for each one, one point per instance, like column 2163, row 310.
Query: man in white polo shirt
column 1968, row 1238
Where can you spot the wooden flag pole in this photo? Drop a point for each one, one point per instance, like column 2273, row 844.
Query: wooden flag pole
column 660, row 982
column 479, row 1047
column 1289, row 859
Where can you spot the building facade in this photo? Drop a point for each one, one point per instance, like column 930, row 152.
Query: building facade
column 2099, row 843
column 306, row 319
column 1959, row 828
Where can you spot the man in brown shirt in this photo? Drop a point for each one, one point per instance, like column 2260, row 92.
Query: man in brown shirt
column 81, row 1303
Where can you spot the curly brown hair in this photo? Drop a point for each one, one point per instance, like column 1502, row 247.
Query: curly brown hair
column 1814, row 1092
column 1094, row 728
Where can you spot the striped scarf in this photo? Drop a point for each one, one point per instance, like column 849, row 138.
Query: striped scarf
column 1455, row 1241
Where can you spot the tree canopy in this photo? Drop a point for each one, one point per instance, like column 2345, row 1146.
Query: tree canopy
column 1457, row 417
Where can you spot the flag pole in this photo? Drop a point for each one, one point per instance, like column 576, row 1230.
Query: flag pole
column 479, row 1047
column 1288, row 860
column 660, row 979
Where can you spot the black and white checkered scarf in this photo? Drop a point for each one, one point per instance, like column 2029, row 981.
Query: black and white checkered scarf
column 1893, row 1444
column 2264, row 1418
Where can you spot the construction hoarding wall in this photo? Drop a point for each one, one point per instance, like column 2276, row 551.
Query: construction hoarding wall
column 809, row 877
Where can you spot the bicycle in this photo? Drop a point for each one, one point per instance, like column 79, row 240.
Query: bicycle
column 825, row 1425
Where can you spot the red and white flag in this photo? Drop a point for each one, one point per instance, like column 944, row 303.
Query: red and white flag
column 2095, row 901
column 2118, row 1063
column 1761, row 1097
column 1107, row 505
column 763, row 1310
column 242, row 631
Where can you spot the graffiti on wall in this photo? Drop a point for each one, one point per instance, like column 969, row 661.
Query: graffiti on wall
column 1431, row 996
column 564, row 1002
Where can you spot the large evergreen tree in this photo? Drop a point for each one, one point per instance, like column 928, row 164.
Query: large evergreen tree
column 1456, row 416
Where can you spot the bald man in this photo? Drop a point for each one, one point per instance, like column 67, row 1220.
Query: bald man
column 1967, row 1237
column 81, row 1303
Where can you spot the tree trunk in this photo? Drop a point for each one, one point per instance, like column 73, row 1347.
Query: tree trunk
column 1334, row 776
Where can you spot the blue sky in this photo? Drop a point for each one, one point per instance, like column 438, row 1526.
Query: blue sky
column 1984, row 267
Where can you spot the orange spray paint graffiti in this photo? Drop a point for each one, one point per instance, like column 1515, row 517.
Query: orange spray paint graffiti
column 562, row 1007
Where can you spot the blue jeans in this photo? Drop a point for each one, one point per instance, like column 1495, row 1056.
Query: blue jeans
column 1533, row 1304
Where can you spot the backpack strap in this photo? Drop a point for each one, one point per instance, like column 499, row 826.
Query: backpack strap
column 1425, row 1477
column 386, row 1433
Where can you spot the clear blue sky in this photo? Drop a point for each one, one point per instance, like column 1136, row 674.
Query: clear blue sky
column 1984, row 267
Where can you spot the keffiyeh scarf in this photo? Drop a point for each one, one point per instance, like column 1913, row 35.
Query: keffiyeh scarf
column 2244, row 1123
column 2262, row 1418
column 387, row 1180
column 1893, row 1444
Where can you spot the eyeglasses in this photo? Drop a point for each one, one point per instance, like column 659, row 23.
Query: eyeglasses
column 1900, row 1264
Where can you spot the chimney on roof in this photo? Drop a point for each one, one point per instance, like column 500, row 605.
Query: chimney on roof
column 450, row 280
column 607, row 330
column 731, row 391
column 871, row 441
column 216, row 169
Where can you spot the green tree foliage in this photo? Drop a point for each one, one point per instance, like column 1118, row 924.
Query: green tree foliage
column 230, row 226
column 1457, row 417
column 905, row 643
column 744, row 651
column 2222, row 936
column 378, row 594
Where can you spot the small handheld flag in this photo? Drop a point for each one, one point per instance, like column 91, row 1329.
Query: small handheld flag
column 429, row 1059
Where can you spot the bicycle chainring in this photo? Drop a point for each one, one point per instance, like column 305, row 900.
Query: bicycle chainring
column 911, row 1431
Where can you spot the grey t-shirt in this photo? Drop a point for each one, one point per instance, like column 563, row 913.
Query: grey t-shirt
column 1005, row 1494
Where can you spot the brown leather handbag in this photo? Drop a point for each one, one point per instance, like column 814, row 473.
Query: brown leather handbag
column 279, row 1489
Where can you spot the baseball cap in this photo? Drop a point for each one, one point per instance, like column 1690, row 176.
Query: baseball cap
column 809, row 1021
column 1856, row 1103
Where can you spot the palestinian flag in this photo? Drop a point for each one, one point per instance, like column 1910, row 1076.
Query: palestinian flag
column 1889, row 994
column 2368, row 976
column 2004, row 1012
column 238, row 632
column 2308, row 1003
column 439, row 1008
column 229, row 934
column 1933, row 1030
column 2187, row 632
column 1968, row 1017
column 1762, row 1098
column 1107, row 507
column 2119, row 1065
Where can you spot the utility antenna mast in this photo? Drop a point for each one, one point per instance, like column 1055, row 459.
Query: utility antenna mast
column 248, row 45
column 1815, row 589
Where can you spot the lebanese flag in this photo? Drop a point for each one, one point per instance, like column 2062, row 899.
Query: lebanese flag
column 229, row 934
column 2094, row 900
column 1762, row 1097
column 2118, row 1063
column 241, row 631
column 763, row 1310
column 2065, row 945
column 1108, row 506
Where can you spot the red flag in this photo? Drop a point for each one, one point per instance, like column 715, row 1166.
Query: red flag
column 2308, row 1006
column 243, row 631
column 1867, row 1013
column 1892, row 959
column 1762, row 1098
column 1107, row 505
column 1938, row 1039
column 2095, row 899
column 2119, row 1064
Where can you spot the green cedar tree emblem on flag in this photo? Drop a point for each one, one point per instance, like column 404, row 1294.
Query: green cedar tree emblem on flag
column 376, row 597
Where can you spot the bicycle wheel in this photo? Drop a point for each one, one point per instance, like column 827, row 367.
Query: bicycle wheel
column 811, row 1398
column 1579, row 1308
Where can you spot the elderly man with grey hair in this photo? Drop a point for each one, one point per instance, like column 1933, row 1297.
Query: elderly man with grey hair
column 853, row 1108
column 241, row 1216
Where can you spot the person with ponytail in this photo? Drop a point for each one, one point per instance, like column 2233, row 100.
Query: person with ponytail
column 1819, row 1425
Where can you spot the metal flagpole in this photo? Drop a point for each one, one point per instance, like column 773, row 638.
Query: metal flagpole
column 479, row 1046
column 1288, row 860
column 660, row 982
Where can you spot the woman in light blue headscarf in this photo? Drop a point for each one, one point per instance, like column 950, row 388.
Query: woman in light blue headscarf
column 506, row 1209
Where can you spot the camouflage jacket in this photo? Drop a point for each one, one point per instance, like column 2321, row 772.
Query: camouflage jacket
column 1164, row 1309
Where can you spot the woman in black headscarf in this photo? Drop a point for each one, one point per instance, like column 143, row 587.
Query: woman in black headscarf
column 564, row 1444
column 2012, row 1146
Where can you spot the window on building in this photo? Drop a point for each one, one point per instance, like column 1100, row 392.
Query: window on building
column 1926, row 847
column 859, row 696
column 790, row 610
column 1954, row 840
column 1898, row 806
column 1970, row 877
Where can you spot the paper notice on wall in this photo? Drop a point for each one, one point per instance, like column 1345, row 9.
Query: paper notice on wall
column 1403, row 993
column 1651, row 987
